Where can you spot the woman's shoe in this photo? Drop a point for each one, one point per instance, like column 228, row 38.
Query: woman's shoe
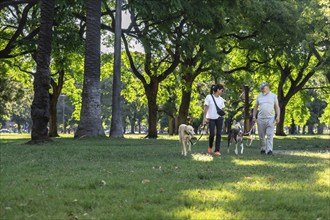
column 217, row 153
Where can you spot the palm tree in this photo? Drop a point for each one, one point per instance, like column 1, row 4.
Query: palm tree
column 40, row 104
column 90, row 124
column 116, row 121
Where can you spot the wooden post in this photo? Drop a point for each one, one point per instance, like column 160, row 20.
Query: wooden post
column 247, row 116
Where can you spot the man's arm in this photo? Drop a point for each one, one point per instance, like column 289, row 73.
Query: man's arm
column 278, row 111
column 255, row 109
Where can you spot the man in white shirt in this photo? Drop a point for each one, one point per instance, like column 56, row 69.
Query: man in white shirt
column 268, row 103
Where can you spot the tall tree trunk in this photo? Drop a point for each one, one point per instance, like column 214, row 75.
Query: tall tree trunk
column 53, row 117
column 90, row 124
column 280, row 125
column 57, row 88
column 151, row 91
column 320, row 128
column 293, row 128
column 139, row 126
column 190, row 71
column 185, row 104
column 304, row 129
column 133, row 122
column 310, row 129
column 171, row 125
column 116, row 130
column 40, row 104
column 19, row 126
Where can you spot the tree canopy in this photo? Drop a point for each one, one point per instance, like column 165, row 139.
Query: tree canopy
column 187, row 47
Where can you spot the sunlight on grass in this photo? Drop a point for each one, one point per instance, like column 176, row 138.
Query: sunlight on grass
column 209, row 214
column 14, row 136
column 306, row 137
column 327, row 137
column 206, row 204
column 206, row 195
column 66, row 135
column 254, row 183
column 263, row 163
column 324, row 155
column 264, row 183
column 133, row 136
column 202, row 157
column 218, row 203
column 249, row 162
column 324, row 177
column 277, row 163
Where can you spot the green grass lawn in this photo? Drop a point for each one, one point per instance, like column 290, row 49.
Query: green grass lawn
column 136, row 178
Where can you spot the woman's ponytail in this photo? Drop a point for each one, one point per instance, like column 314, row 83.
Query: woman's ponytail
column 215, row 87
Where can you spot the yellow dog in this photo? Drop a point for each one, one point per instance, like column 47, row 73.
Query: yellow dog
column 186, row 132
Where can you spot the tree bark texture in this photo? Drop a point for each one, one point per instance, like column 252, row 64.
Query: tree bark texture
column 280, row 125
column 189, row 76
column 57, row 88
column 53, row 118
column 116, row 130
column 184, row 107
column 151, row 91
column 40, row 104
column 90, row 124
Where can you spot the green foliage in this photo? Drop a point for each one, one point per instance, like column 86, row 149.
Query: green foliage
column 15, row 91
column 132, row 90
column 18, row 30
column 73, row 90
column 250, row 36
column 316, row 107
column 325, row 118
column 297, row 111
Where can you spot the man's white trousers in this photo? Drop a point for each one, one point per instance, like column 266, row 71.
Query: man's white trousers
column 266, row 133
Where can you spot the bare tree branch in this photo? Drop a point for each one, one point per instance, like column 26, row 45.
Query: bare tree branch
column 23, row 70
column 17, row 2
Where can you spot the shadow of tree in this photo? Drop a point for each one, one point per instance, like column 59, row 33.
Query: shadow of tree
column 278, row 187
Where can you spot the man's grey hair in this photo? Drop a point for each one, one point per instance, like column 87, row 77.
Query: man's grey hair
column 263, row 84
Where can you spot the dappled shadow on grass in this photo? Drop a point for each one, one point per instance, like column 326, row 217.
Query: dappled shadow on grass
column 235, row 202
column 150, row 179
column 234, row 187
column 287, row 187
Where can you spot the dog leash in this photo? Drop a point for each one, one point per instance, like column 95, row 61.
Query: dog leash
column 249, row 133
column 199, row 136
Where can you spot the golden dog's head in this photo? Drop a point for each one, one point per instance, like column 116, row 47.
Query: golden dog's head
column 189, row 130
